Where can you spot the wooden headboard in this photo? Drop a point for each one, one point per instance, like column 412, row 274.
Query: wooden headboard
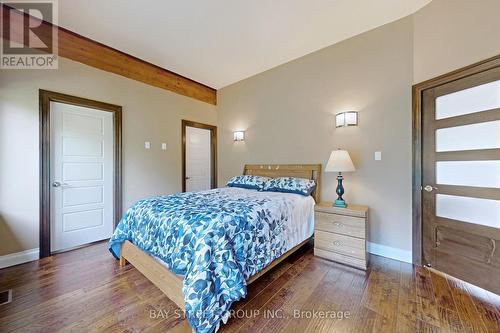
column 308, row 171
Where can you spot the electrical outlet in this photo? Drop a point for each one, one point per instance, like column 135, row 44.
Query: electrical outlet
column 378, row 156
column 147, row 145
column 163, row 146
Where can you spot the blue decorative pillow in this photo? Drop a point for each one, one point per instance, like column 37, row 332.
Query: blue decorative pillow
column 248, row 181
column 291, row 185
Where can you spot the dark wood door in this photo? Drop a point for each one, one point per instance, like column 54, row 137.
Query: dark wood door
column 461, row 178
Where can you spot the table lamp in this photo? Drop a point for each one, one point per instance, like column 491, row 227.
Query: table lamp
column 339, row 161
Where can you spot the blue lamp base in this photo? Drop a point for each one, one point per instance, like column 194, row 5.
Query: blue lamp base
column 340, row 203
column 340, row 191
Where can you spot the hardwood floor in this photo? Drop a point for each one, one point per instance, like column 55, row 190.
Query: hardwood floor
column 86, row 291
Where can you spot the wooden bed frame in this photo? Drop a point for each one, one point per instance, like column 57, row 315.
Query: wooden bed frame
column 171, row 284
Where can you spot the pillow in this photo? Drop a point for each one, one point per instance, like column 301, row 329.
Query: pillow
column 248, row 181
column 290, row 185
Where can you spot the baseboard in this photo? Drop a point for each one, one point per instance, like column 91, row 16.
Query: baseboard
column 18, row 258
column 374, row 248
column 390, row 252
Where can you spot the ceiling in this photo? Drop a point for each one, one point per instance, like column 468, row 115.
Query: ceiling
column 219, row 42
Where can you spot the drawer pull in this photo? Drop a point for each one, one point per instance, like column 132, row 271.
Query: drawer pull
column 338, row 224
column 337, row 243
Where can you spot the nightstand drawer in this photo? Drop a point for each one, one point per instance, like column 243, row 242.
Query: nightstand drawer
column 351, row 261
column 341, row 224
column 350, row 246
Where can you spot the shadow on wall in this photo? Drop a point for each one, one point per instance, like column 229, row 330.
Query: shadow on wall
column 9, row 242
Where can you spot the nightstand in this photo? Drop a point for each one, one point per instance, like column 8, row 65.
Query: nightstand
column 340, row 234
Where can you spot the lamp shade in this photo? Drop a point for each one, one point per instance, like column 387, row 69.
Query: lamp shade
column 339, row 161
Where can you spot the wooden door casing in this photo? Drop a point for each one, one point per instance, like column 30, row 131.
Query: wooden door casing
column 45, row 98
column 213, row 150
column 465, row 250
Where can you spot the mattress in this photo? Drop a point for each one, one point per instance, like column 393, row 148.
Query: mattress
column 301, row 222
column 300, row 225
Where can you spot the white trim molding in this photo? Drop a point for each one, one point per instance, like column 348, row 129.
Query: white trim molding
column 374, row 248
column 390, row 252
column 17, row 258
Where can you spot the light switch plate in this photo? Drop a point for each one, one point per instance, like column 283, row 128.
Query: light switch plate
column 163, row 146
column 378, row 156
column 147, row 145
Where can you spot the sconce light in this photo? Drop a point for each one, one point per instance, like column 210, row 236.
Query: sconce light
column 344, row 119
column 239, row 136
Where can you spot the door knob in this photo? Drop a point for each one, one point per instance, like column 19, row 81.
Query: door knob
column 187, row 178
column 58, row 184
column 429, row 188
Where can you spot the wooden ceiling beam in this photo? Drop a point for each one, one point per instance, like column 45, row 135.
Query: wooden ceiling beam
column 89, row 52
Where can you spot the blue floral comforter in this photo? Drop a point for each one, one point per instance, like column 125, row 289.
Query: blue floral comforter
column 217, row 239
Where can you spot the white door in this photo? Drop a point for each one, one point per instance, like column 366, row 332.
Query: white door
column 198, row 166
column 81, row 165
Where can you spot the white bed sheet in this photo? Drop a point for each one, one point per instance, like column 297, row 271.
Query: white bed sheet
column 301, row 222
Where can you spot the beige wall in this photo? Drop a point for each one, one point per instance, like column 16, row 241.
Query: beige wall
column 450, row 34
column 288, row 114
column 288, row 111
column 149, row 114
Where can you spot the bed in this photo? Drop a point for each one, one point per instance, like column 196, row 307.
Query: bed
column 202, row 249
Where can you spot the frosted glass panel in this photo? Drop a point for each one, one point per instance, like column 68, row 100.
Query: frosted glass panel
column 469, row 137
column 475, row 99
column 473, row 210
column 469, row 173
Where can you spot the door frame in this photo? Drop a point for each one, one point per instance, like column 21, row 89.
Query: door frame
column 417, row 95
column 45, row 97
column 213, row 150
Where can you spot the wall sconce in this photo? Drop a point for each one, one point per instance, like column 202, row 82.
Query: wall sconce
column 348, row 118
column 239, row 136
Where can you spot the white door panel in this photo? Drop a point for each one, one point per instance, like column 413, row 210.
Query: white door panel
column 85, row 145
column 82, row 171
column 198, row 159
column 83, row 220
column 83, row 196
column 82, row 167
